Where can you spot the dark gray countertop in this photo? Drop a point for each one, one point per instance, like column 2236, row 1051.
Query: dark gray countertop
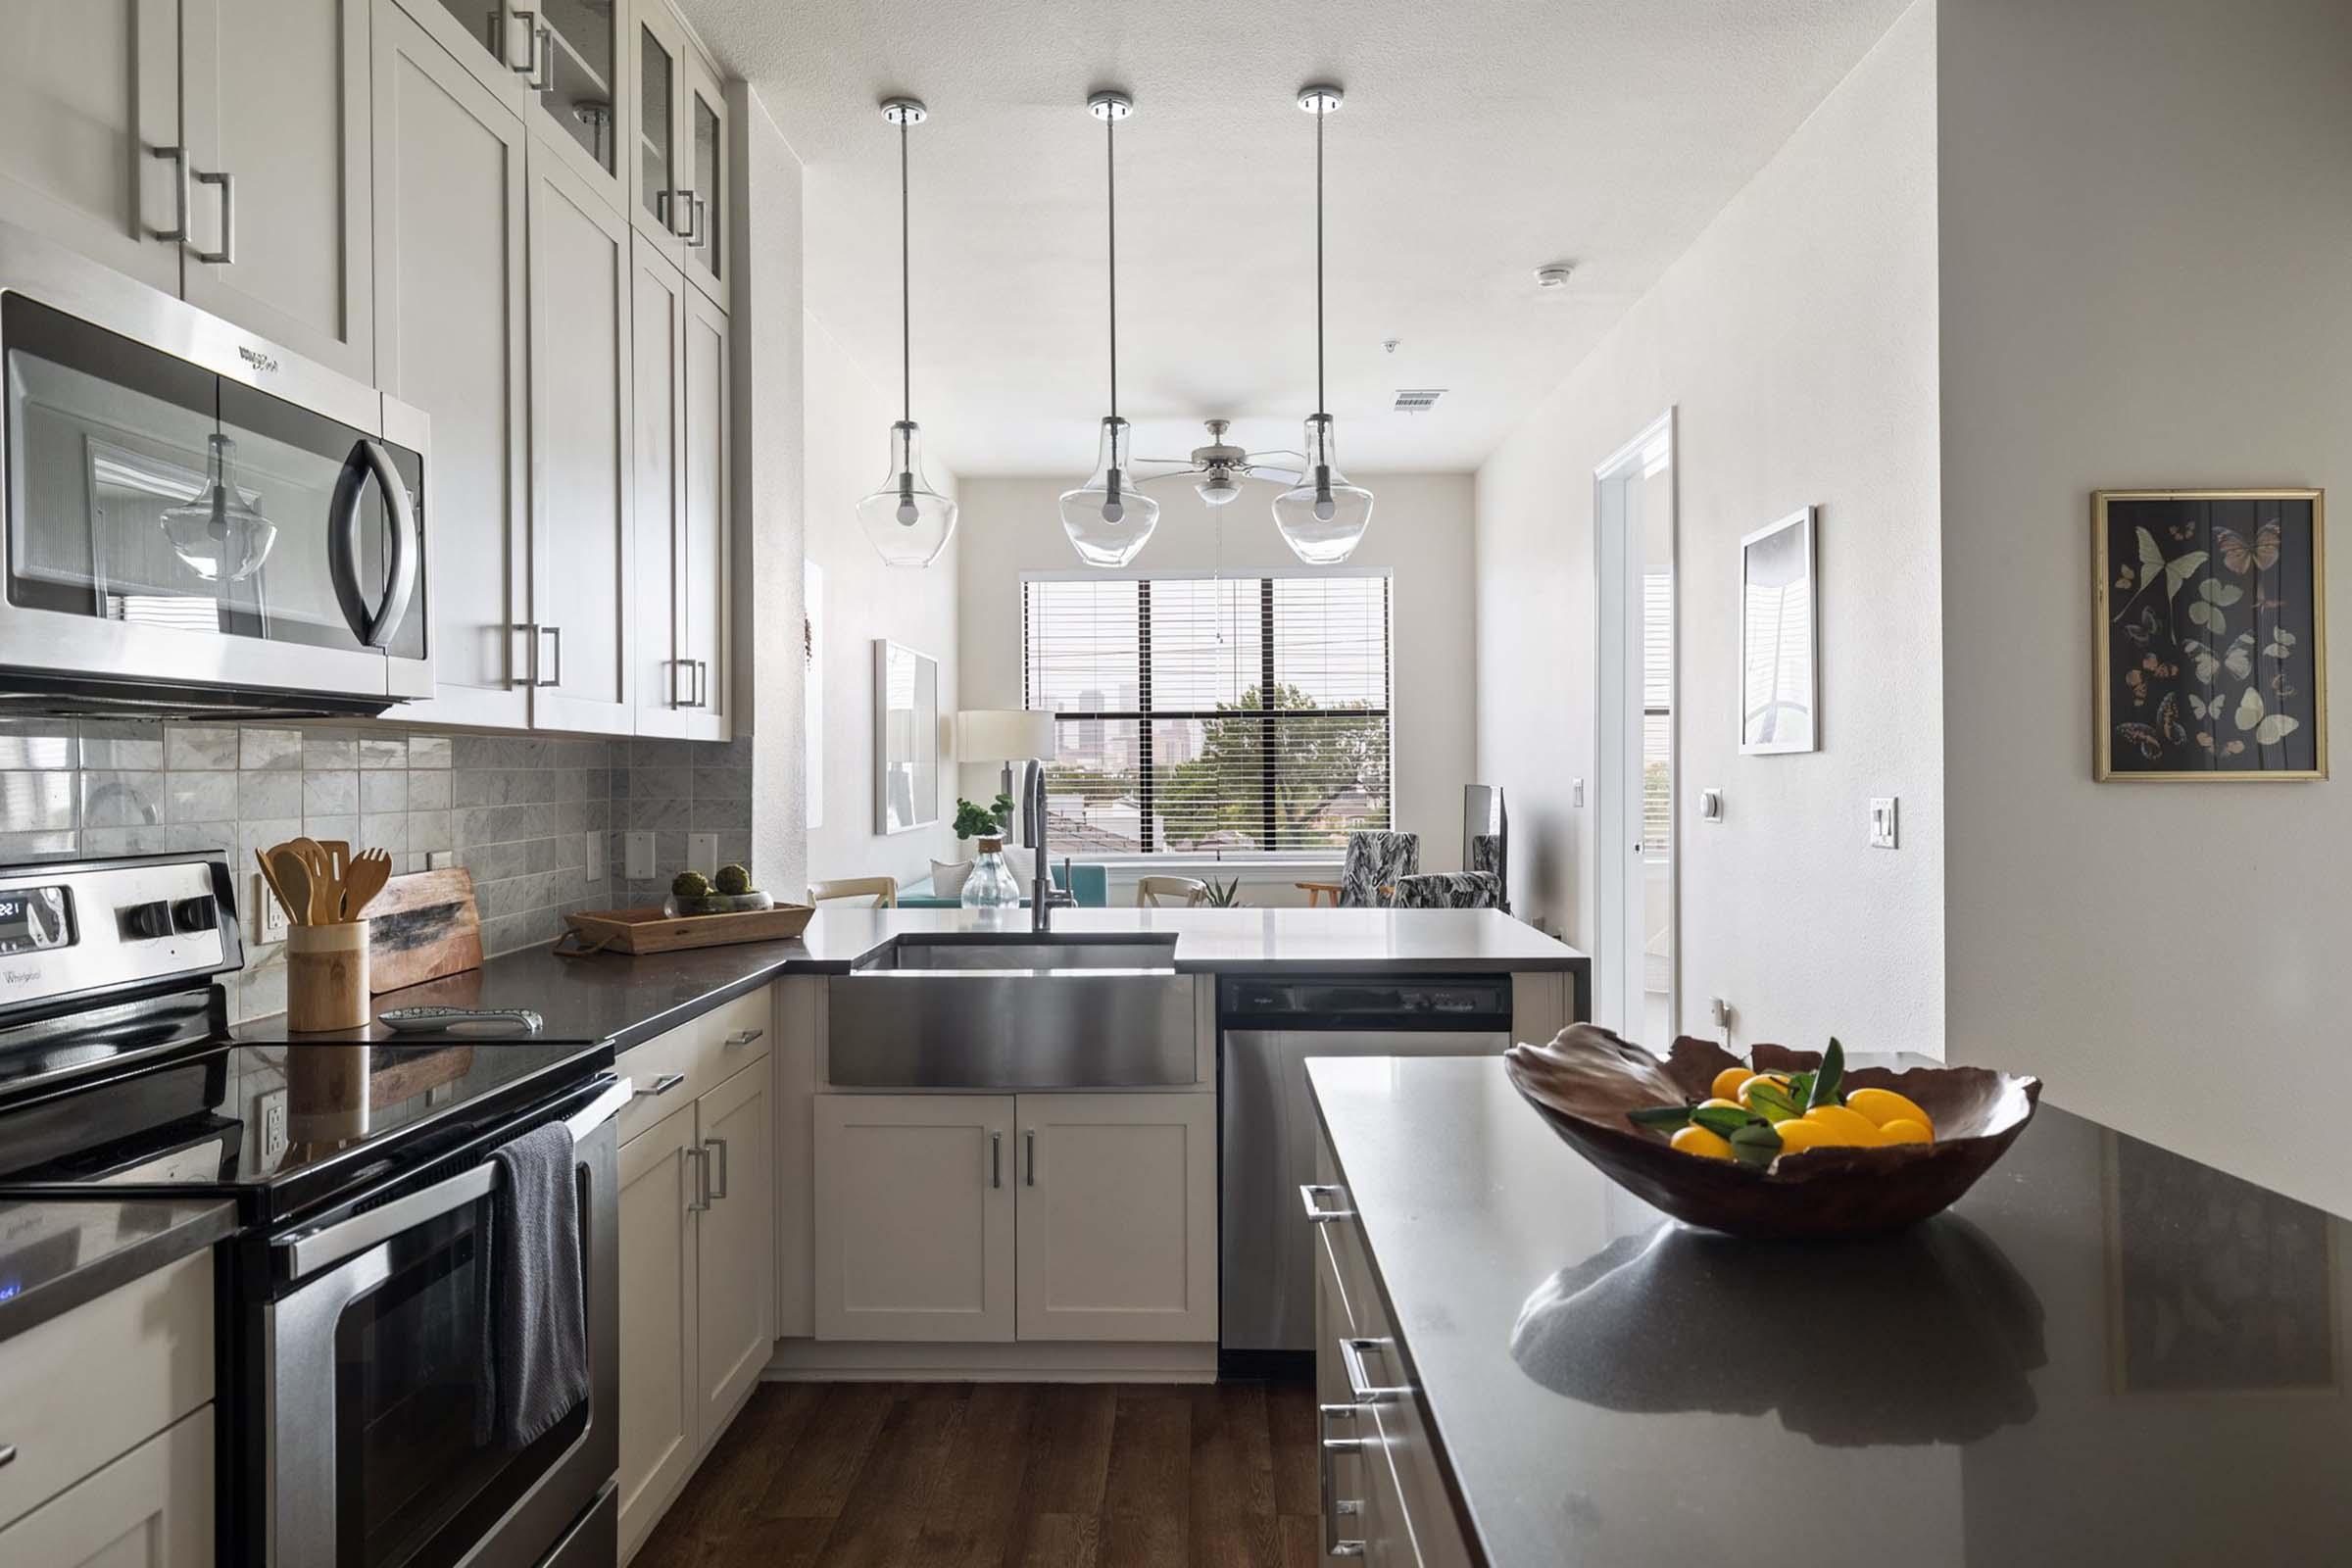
column 627, row 1000
column 2105, row 1353
column 55, row 1255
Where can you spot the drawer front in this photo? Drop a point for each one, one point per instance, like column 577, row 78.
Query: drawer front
column 151, row 1508
column 696, row 1058
column 1340, row 1238
column 87, row 1386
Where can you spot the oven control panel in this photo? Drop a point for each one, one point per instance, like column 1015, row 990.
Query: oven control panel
column 82, row 928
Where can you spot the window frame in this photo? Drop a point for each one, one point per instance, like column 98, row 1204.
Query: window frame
column 1143, row 716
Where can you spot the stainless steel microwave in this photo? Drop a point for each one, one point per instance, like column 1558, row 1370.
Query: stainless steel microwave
column 195, row 520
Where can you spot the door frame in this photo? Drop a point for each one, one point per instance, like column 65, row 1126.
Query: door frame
column 1617, row 765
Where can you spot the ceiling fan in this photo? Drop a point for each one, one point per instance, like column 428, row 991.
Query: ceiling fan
column 1220, row 466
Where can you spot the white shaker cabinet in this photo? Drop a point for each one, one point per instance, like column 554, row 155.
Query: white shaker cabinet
column 451, row 340
column 680, row 521
column 551, row 64
column 735, row 1251
column 661, row 1413
column 274, row 104
column 581, row 637
column 914, row 1217
column 705, row 614
column 151, row 1508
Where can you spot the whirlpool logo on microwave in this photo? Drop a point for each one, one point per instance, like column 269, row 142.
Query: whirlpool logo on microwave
column 258, row 359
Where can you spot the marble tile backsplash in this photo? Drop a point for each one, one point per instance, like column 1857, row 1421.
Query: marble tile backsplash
column 518, row 812
column 673, row 788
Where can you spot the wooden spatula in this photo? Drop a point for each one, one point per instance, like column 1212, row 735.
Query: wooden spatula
column 370, row 871
column 292, row 879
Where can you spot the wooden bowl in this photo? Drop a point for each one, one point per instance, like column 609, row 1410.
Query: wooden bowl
column 1586, row 1081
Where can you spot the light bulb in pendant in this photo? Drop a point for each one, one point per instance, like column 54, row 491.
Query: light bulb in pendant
column 906, row 521
column 1322, row 516
column 1107, row 518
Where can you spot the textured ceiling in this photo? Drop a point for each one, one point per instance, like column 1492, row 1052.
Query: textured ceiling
column 1478, row 142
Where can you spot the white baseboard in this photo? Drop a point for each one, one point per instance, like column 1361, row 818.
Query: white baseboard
column 858, row 1361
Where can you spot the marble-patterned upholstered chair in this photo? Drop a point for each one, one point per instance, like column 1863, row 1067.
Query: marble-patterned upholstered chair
column 1450, row 890
column 1375, row 860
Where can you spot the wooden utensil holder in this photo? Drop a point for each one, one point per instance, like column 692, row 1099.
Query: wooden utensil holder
column 326, row 976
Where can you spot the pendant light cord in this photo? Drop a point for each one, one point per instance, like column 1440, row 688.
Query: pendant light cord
column 1319, row 401
column 906, row 309
column 1110, row 171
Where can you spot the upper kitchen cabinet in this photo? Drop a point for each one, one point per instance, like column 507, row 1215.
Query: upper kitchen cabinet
column 89, row 130
column 214, row 149
column 451, row 340
column 677, row 174
column 554, row 64
column 274, row 104
column 684, row 686
column 582, row 631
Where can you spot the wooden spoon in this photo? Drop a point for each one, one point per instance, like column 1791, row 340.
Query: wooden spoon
column 369, row 874
column 293, row 884
column 269, row 876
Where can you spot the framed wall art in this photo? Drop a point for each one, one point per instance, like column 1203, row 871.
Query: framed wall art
column 1780, row 678
column 2212, row 635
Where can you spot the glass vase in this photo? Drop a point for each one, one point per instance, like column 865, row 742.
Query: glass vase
column 992, row 884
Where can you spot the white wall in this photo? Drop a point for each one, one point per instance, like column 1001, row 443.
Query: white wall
column 849, row 419
column 2146, row 281
column 1420, row 530
column 1798, row 340
column 768, row 481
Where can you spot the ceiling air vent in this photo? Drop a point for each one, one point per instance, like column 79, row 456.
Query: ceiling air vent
column 1417, row 399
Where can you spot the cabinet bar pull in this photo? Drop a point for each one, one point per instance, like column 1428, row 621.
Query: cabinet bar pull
column 529, row 71
column 1360, row 1385
column 1315, row 1213
column 556, row 635
column 996, row 1159
column 227, row 255
column 714, row 1190
column 700, row 1200
column 8, row 1453
column 744, row 1037
column 659, row 1086
column 1334, row 1507
column 179, row 193
column 1031, row 1137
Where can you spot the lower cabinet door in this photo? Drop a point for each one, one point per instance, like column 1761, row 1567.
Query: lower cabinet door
column 151, row 1508
column 661, row 1408
column 1119, row 1218
column 737, row 1248
column 914, row 1217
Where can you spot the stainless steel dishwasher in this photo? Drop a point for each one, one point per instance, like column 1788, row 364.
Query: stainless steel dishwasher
column 1267, row 1029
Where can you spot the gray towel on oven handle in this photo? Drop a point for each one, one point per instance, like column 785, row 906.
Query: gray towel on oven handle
column 535, row 1335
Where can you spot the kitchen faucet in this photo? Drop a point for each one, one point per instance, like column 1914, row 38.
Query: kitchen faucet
column 1044, row 895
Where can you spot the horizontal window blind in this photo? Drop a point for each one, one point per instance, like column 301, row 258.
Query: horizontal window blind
column 1212, row 715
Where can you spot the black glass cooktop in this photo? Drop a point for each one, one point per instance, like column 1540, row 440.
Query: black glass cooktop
column 281, row 1126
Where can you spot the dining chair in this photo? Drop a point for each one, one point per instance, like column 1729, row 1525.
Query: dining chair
column 883, row 890
column 1375, row 860
column 1449, row 890
column 1159, row 891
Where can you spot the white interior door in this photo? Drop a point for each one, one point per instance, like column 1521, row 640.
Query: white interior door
column 1636, row 958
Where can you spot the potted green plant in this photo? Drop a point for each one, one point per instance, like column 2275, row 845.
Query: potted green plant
column 972, row 822
column 1223, row 895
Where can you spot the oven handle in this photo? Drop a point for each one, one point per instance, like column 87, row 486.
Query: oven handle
column 369, row 458
column 306, row 1250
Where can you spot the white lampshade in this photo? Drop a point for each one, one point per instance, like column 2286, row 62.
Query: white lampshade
column 1002, row 734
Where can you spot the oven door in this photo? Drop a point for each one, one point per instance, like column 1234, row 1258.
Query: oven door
column 374, row 1376
column 189, row 508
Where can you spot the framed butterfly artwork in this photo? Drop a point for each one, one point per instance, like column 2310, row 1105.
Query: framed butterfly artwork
column 2212, row 635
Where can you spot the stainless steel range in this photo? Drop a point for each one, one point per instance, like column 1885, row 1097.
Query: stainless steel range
column 353, row 1362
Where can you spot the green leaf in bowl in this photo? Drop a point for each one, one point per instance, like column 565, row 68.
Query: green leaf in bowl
column 1662, row 1117
column 1725, row 1121
column 1828, row 1078
column 1755, row 1144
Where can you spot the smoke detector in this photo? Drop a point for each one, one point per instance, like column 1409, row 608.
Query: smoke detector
column 1417, row 399
column 1553, row 276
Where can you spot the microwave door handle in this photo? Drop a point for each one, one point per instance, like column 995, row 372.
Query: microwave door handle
column 369, row 460
column 308, row 1250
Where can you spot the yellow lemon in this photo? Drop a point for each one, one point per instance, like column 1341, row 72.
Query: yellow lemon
column 1720, row 1103
column 1726, row 1083
column 1748, row 1084
column 1841, row 1127
column 1799, row 1135
column 1699, row 1141
column 1903, row 1130
column 1882, row 1106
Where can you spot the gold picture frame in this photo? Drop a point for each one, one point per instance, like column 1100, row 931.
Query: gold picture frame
column 2161, row 732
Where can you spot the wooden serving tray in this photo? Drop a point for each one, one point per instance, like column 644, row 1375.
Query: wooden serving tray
column 649, row 930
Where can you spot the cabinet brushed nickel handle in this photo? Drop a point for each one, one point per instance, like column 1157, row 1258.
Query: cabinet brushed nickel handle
column 714, row 1190
column 996, row 1159
column 744, row 1037
column 1360, row 1385
column 227, row 255
column 1335, row 1507
column 1031, row 1137
column 659, row 1086
column 669, row 219
column 529, row 71
column 555, row 635
column 179, row 211
column 699, row 1199
column 1317, row 1214
column 8, row 1453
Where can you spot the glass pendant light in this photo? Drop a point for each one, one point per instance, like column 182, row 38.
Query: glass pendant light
column 217, row 532
column 1323, row 516
column 1107, row 518
column 906, row 521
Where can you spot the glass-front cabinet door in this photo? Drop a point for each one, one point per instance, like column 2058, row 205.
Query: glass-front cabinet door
column 564, row 56
column 660, row 205
column 706, row 149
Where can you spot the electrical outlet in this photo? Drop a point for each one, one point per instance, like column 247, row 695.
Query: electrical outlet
column 1719, row 1012
column 1882, row 821
column 597, row 864
column 637, row 856
column 441, row 860
column 1576, row 792
column 701, row 852
column 1710, row 806
column 268, row 915
column 273, row 1128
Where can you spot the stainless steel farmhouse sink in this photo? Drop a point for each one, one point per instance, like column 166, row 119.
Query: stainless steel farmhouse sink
column 1012, row 1011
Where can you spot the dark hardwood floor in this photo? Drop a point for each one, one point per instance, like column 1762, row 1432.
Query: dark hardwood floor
column 998, row 1475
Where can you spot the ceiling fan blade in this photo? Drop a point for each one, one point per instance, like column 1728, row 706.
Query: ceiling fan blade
column 1172, row 473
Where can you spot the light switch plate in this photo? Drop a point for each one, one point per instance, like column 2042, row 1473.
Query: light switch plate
column 268, row 915
column 599, row 860
column 637, row 856
column 1710, row 806
column 440, row 859
column 1576, row 792
column 701, row 852
column 1882, row 821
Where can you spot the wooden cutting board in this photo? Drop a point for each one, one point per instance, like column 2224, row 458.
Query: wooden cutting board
column 421, row 927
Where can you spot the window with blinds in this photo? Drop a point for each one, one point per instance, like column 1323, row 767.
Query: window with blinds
column 1215, row 716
